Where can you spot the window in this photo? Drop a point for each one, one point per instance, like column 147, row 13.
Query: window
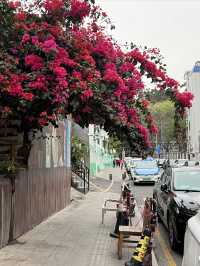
column 187, row 180
column 146, row 164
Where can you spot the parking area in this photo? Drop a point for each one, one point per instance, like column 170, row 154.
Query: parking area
column 165, row 256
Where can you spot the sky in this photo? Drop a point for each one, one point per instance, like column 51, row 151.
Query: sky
column 173, row 26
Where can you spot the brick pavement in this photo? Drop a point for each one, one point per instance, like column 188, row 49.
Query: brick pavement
column 72, row 237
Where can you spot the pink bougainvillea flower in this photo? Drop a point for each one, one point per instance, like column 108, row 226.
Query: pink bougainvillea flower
column 34, row 61
column 126, row 67
column 104, row 47
column 14, row 4
column 62, row 83
column 153, row 129
column 53, row 5
column 1, row 78
column 35, row 40
column 39, row 83
column 79, row 9
column 56, row 30
column 155, row 51
column 21, row 16
column 15, row 89
column 185, row 98
column 137, row 55
column 86, row 94
column 26, row 38
column 145, row 103
column 27, row 96
column 171, row 83
column 57, row 60
column 143, row 131
column 112, row 76
column 43, row 122
column 76, row 75
column 89, row 59
column 60, row 71
column 49, row 45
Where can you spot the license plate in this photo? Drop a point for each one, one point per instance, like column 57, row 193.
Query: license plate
column 146, row 178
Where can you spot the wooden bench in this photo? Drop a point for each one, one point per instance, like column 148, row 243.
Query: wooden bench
column 127, row 231
column 106, row 208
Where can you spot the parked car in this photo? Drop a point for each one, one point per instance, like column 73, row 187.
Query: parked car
column 145, row 171
column 130, row 163
column 183, row 162
column 127, row 162
column 177, row 194
column 192, row 242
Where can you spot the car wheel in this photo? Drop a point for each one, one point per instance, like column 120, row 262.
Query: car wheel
column 172, row 237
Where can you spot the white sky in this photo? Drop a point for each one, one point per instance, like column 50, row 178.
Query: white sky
column 173, row 26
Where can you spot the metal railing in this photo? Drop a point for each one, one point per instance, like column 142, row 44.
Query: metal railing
column 81, row 177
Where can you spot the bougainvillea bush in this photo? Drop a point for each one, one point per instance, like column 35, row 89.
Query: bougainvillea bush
column 56, row 60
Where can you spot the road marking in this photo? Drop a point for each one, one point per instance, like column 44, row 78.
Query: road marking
column 108, row 188
column 102, row 190
column 165, row 250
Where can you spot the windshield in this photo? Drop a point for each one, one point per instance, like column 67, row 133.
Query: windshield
column 188, row 180
column 146, row 164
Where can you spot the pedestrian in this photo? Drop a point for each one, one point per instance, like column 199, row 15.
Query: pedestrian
column 122, row 163
column 114, row 163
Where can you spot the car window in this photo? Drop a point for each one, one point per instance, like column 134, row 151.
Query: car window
column 187, row 180
column 146, row 164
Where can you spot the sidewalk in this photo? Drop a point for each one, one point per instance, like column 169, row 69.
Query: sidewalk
column 72, row 237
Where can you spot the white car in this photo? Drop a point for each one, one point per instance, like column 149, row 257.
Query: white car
column 130, row 162
column 192, row 242
column 145, row 171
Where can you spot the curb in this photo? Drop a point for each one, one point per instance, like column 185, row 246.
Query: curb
column 154, row 260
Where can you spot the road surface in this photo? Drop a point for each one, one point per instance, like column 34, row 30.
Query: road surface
column 164, row 255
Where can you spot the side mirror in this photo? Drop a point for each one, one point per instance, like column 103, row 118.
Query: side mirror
column 164, row 187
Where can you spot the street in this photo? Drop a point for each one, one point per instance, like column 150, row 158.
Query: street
column 163, row 252
column 92, row 100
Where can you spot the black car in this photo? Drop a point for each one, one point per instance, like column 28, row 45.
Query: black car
column 177, row 194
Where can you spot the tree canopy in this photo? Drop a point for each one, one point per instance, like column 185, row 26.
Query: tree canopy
column 53, row 63
column 163, row 113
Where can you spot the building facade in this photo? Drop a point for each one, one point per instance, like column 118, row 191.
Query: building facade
column 96, row 140
column 193, row 85
column 99, row 154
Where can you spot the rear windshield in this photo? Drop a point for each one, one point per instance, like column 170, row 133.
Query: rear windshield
column 146, row 164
